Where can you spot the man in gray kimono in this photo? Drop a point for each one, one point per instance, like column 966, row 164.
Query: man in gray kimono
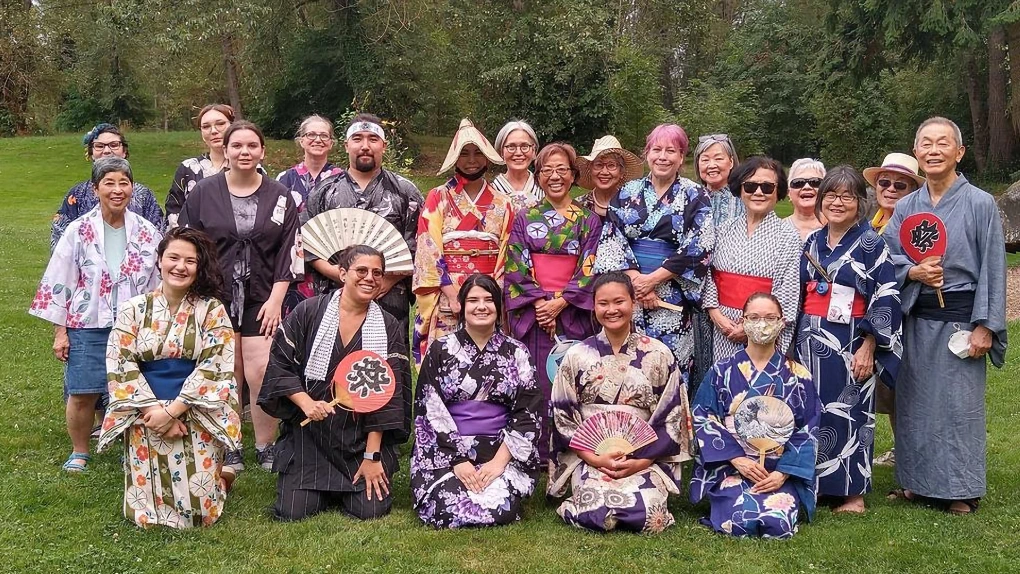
column 940, row 397
column 366, row 185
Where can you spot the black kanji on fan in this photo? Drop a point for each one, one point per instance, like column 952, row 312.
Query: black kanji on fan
column 367, row 376
column 924, row 235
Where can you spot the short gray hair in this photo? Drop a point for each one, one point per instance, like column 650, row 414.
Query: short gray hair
column 706, row 142
column 107, row 165
column 506, row 130
column 806, row 163
column 943, row 121
column 314, row 118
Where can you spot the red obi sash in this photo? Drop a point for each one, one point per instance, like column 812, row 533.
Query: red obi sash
column 471, row 256
column 553, row 272
column 818, row 305
column 734, row 288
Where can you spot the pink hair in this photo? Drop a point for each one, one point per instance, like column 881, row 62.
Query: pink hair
column 671, row 134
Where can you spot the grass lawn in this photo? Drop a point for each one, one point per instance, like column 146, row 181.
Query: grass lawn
column 54, row 522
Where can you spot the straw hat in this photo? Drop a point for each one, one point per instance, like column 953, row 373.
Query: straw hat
column 468, row 133
column 898, row 163
column 633, row 167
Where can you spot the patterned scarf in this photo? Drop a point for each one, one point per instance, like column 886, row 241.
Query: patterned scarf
column 373, row 337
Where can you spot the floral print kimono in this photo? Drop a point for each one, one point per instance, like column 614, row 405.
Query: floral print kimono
column 469, row 403
column 644, row 232
column 456, row 238
column 642, row 379
column 154, row 357
column 734, row 509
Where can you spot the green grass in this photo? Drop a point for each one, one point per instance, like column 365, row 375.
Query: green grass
column 53, row 522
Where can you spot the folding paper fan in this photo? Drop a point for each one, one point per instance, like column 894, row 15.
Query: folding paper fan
column 332, row 231
column 610, row 431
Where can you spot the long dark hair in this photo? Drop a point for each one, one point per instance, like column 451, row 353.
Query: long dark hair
column 208, row 280
column 490, row 286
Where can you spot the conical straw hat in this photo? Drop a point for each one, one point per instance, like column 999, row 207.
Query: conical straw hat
column 468, row 133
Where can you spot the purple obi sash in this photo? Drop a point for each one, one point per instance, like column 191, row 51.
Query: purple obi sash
column 479, row 418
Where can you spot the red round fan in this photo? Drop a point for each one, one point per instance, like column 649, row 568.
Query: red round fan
column 363, row 383
column 924, row 235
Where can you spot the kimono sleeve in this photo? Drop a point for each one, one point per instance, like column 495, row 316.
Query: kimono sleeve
column 410, row 218
column 189, row 214
column 521, row 434
column 150, row 209
column 799, row 452
column 671, row 416
column 287, row 357
column 504, row 240
column 614, row 251
column 565, row 407
column 715, row 443
column 521, row 287
column 211, row 384
column 430, row 270
column 436, row 434
column 289, row 261
column 66, row 213
column 884, row 313
column 786, row 285
column 59, row 281
column 578, row 291
column 695, row 236
column 176, row 197
column 394, row 418
column 990, row 292
column 129, row 392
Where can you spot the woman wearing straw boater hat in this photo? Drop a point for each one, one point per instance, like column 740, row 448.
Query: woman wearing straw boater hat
column 463, row 229
column 604, row 171
column 892, row 181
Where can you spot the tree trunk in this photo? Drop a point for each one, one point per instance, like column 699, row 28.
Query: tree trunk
column 1001, row 137
column 666, row 78
column 977, row 111
column 230, row 65
column 1013, row 40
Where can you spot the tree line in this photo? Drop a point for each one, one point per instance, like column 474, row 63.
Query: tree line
column 846, row 81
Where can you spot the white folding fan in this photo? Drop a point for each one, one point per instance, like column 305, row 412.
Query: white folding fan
column 609, row 431
column 332, row 231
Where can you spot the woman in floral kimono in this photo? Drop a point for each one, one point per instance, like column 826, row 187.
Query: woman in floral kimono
column 172, row 394
column 463, row 229
column 659, row 230
column 104, row 258
column 849, row 331
column 749, row 498
column 477, row 409
column 619, row 370
column 548, row 268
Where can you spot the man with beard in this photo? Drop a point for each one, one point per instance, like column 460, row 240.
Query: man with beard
column 940, row 396
column 366, row 185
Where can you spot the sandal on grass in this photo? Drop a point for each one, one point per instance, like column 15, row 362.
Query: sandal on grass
column 970, row 506
column 72, row 464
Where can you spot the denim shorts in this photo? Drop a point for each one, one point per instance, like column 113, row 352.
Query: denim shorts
column 86, row 362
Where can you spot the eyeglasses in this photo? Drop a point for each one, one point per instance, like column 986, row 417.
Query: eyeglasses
column 842, row 197
column 362, row 272
column 220, row 126
column 326, row 138
column 611, row 167
column 100, row 146
column 897, row 185
column 560, row 171
column 523, row 148
column 800, row 182
column 754, row 317
column 766, row 187
column 714, row 138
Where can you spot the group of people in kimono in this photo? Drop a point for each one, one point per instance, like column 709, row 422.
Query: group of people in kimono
column 753, row 345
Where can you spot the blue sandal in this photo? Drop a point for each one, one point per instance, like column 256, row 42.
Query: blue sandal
column 72, row 466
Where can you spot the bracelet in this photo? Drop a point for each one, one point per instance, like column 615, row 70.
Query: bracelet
column 171, row 414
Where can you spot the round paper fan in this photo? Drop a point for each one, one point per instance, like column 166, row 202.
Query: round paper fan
column 332, row 231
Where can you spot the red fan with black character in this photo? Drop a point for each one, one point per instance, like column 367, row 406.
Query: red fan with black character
column 363, row 383
column 924, row 235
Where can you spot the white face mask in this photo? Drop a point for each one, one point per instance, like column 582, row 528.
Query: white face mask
column 763, row 331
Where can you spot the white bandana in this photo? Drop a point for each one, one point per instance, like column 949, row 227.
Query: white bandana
column 370, row 127
column 373, row 337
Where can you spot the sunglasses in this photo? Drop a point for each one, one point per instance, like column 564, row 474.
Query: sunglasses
column 714, row 138
column 897, row 185
column 812, row 182
column 766, row 187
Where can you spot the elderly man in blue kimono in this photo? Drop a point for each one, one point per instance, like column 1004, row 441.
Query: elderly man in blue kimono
column 940, row 396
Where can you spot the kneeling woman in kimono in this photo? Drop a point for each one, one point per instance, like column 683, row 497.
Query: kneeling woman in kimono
column 475, row 456
column 748, row 498
column 170, row 363
column 619, row 370
column 340, row 458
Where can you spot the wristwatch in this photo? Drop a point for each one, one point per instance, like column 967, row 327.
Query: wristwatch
column 373, row 456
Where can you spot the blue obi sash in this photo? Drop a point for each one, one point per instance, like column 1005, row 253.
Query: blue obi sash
column 166, row 376
column 650, row 253
column 479, row 418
